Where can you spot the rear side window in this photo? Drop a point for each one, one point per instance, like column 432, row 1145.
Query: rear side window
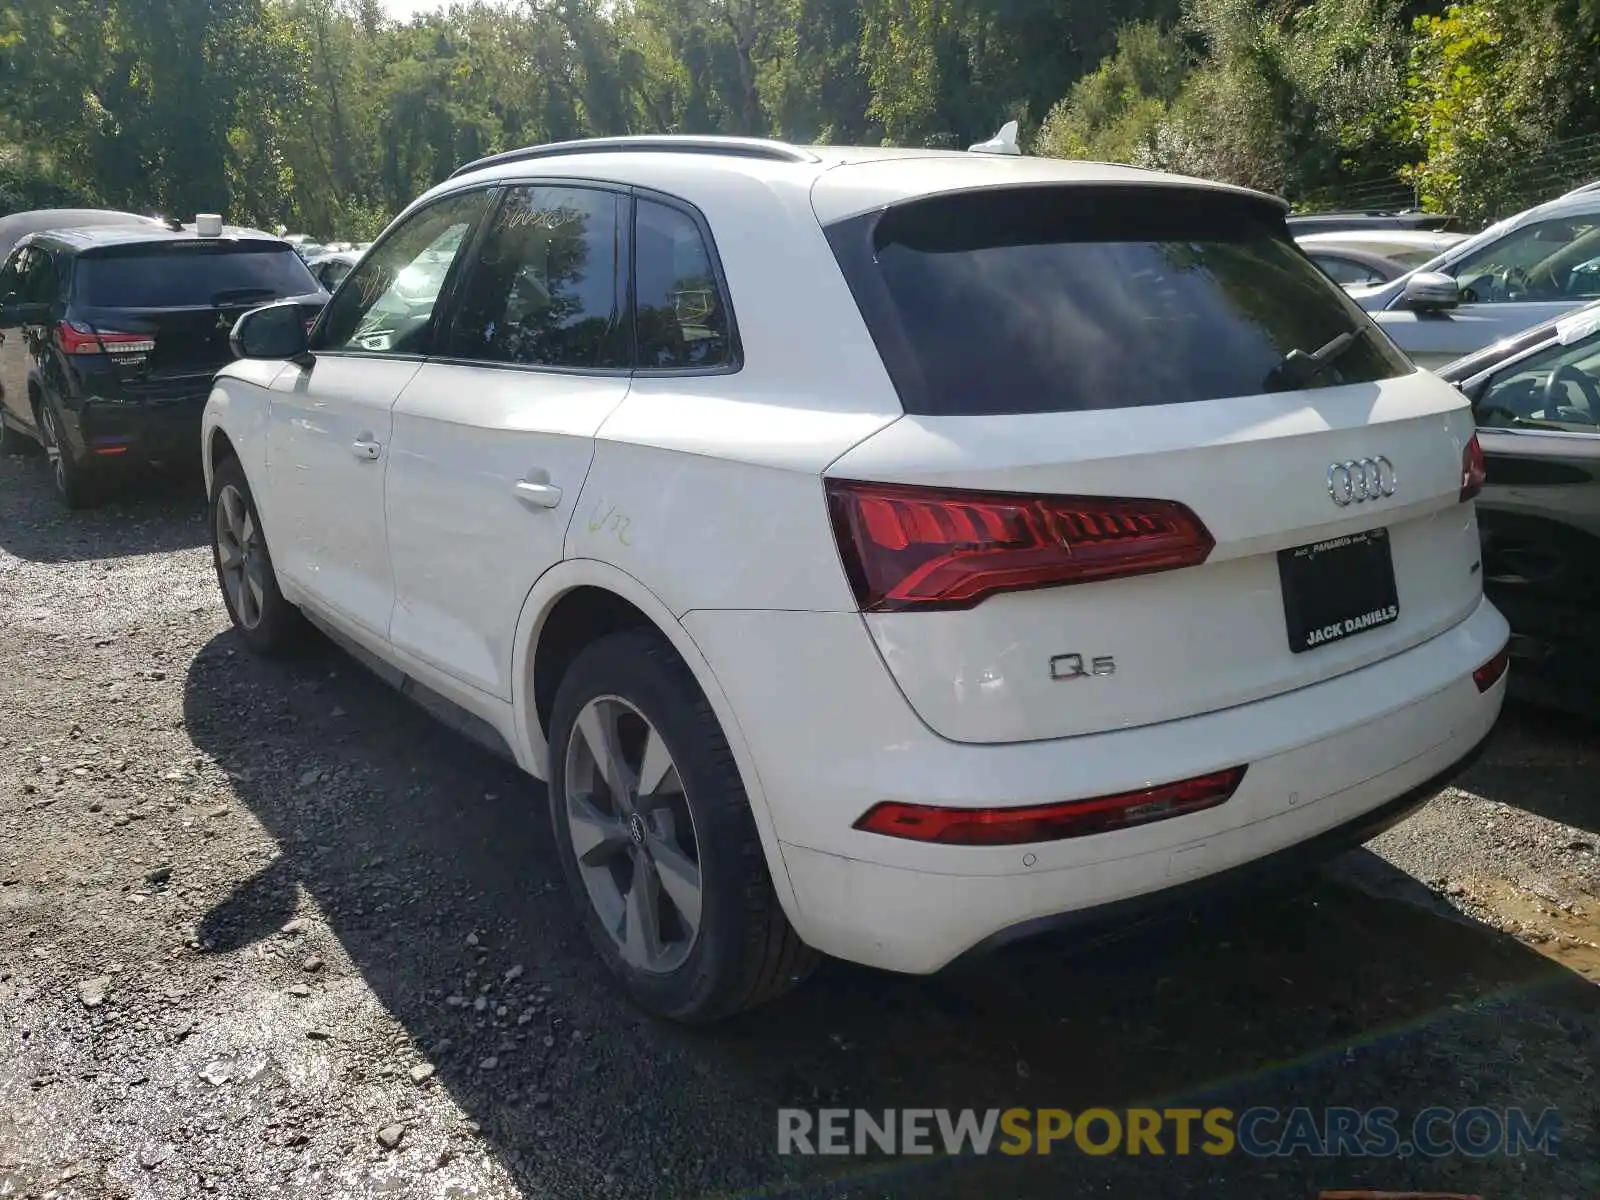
column 1065, row 299
column 681, row 320
column 190, row 275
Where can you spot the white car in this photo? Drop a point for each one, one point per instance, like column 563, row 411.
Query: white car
column 884, row 553
column 1514, row 275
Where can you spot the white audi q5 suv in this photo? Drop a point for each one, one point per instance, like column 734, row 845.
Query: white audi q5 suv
column 882, row 553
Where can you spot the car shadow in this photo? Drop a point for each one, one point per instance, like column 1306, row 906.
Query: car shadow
column 410, row 839
column 147, row 512
column 1564, row 748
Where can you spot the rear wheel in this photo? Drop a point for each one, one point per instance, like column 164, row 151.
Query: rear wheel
column 76, row 484
column 657, row 840
column 267, row 622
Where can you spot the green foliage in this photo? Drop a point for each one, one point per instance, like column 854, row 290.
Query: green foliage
column 28, row 182
column 1493, row 83
column 1282, row 96
column 327, row 117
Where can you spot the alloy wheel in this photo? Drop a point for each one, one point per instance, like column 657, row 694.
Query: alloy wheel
column 633, row 835
column 241, row 556
column 52, row 445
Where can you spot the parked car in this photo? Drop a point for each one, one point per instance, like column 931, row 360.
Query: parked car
column 1519, row 273
column 1353, row 268
column 887, row 553
column 113, row 333
column 331, row 268
column 16, row 226
column 1537, row 401
column 13, row 229
column 1400, row 250
column 1302, row 223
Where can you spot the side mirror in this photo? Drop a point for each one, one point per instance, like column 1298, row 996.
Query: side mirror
column 14, row 316
column 1431, row 291
column 276, row 331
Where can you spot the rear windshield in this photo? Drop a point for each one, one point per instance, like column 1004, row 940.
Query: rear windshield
column 1055, row 299
column 190, row 275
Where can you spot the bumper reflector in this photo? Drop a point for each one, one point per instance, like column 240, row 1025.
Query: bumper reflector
column 1493, row 671
column 1050, row 822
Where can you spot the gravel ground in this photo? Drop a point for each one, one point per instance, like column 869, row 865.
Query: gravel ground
column 265, row 930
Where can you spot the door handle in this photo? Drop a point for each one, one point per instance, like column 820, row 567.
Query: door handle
column 541, row 495
column 365, row 449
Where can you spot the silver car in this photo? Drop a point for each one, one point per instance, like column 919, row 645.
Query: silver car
column 1515, row 274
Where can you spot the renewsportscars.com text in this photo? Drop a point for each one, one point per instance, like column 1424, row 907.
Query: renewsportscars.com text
column 1257, row 1132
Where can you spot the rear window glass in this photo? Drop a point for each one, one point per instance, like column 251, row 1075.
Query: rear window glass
column 190, row 277
column 1066, row 299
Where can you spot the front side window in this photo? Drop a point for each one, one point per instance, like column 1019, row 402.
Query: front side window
column 681, row 318
column 1558, row 388
column 1548, row 260
column 542, row 289
column 387, row 305
column 11, row 277
column 1065, row 299
column 40, row 285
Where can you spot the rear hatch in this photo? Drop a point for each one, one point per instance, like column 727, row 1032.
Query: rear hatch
column 1153, row 464
column 161, row 312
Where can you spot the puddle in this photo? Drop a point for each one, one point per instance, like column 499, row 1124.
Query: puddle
column 1566, row 930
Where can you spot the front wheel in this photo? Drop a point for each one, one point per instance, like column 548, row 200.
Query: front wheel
column 657, row 840
column 268, row 623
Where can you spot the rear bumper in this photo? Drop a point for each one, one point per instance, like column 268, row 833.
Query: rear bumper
column 165, row 429
column 830, row 736
column 1283, row 868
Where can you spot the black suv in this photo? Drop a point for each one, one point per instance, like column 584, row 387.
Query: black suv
column 110, row 336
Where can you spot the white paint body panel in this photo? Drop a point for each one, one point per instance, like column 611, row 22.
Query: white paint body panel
column 466, row 548
column 830, row 737
column 1254, row 469
column 330, row 540
column 699, row 499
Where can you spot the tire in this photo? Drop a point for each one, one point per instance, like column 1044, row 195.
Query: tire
column 742, row 951
column 268, row 624
column 77, row 485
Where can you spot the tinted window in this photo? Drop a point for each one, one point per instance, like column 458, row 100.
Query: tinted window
column 681, row 321
column 189, row 275
column 1558, row 388
column 332, row 274
column 542, row 290
column 40, row 285
column 386, row 305
column 11, row 277
column 1062, row 299
column 1344, row 270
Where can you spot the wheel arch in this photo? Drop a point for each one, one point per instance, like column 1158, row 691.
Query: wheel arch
column 582, row 582
column 218, row 447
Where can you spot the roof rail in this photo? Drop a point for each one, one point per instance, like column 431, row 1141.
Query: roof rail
column 649, row 143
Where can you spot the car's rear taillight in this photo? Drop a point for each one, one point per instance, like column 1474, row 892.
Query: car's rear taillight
column 1050, row 822
column 1473, row 471
column 81, row 339
column 910, row 547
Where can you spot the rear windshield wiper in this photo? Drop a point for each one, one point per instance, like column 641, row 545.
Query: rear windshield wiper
column 240, row 293
column 1299, row 367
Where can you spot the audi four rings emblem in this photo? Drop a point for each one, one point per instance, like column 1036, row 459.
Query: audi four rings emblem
column 1361, row 479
